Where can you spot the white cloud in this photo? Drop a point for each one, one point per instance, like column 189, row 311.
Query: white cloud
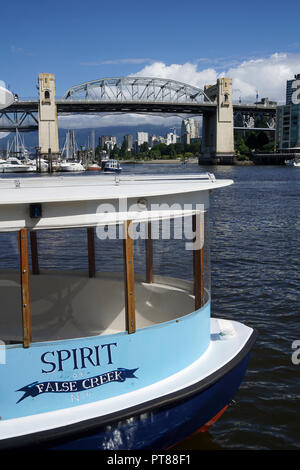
column 115, row 119
column 186, row 73
column 267, row 75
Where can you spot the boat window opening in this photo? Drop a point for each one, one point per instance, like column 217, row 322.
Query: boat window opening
column 169, row 250
column 83, row 285
column 165, row 257
column 34, row 253
column 149, row 253
column 91, row 251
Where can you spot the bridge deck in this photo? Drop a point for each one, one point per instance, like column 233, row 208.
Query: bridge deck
column 87, row 106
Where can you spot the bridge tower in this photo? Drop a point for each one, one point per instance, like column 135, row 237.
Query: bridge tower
column 48, row 128
column 217, row 128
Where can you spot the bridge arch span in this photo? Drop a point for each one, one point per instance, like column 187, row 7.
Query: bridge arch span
column 141, row 89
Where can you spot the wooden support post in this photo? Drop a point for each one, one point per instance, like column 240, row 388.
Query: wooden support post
column 149, row 255
column 91, row 251
column 198, row 258
column 25, row 292
column 129, row 278
column 34, row 253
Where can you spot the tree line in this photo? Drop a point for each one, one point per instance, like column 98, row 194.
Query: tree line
column 157, row 152
column 246, row 143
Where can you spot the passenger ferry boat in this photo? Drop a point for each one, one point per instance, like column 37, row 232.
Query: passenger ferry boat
column 112, row 360
column 111, row 166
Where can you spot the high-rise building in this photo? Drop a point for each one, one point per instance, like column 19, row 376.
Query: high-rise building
column 190, row 129
column 129, row 141
column 288, row 118
column 171, row 138
column 155, row 140
column 141, row 137
column 108, row 141
column 291, row 87
column 288, row 127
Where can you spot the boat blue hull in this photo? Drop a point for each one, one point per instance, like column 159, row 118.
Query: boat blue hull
column 164, row 425
column 112, row 170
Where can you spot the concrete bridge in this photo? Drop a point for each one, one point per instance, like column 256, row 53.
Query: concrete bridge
column 140, row 95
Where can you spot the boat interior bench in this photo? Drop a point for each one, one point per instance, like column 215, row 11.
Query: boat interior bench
column 68, row 304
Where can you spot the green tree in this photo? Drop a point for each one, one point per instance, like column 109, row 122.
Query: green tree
column 115, row 152
column 262, row 139
column 251, row 141
column 269, row 147
column 154, row 154
column 242, row 150
column 144, row 148
column 188, row 155
column 123, row 150
column 193, row 148
column 163, row 148
column 179, row 148
column 172, row 151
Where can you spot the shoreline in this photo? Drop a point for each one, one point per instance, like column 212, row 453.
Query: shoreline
column 174, row 162
column 179, row 162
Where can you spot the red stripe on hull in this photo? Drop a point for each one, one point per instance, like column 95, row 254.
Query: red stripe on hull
column 205, row 426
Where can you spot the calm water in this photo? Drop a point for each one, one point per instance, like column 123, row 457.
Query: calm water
column 255, row 248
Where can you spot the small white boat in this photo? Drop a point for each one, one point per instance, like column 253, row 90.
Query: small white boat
column 14, row 165
column 94, row 167
column 33, row 165
column 113, row 360
column 292, row 162
column 71, row 166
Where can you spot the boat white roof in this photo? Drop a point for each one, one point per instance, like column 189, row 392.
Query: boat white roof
column 90, row 201
column 101, row 187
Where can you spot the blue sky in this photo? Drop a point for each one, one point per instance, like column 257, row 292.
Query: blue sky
column 84, row 40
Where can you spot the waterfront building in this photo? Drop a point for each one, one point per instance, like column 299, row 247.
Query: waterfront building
column 288, row 120
column 155, row 140
column 288, row 127
column 171, row 138
column 141, row 138
column 107, row 140
column 129, row 141
column 291, row 87
column 190, row 129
